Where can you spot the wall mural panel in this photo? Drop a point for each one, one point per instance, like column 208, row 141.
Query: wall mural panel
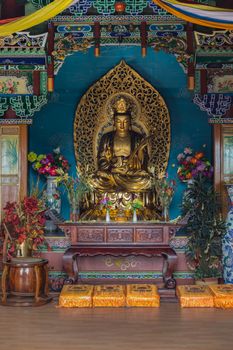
column 13, row 85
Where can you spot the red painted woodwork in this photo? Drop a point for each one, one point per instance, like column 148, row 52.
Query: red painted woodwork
column 14, row 187
column 70, row 261
column 143, row 33
column 203, row 81
column 12, row 8
column 227, row 4
column 97, row 34
column 36, row 82
column 126, row 239
column 50, row 49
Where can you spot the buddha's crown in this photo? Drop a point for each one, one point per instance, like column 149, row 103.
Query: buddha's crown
column 121, row 106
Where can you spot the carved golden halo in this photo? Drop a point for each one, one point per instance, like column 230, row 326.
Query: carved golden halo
column 92, row 116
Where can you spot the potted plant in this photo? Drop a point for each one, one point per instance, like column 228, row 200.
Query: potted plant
column 24, row 222
column 205, row 229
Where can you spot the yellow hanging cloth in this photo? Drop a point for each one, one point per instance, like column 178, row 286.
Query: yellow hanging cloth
column 35, row 18
column 191, row 18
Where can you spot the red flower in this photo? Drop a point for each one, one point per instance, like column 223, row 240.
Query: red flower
column 30, row 204
column 25, row 220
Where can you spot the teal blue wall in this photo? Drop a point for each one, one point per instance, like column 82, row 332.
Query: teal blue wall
column 53, row 125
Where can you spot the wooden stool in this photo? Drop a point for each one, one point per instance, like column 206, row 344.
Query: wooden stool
column 25, row 282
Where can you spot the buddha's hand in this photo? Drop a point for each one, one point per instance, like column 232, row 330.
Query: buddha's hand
column 134, row 163
column 108, row 153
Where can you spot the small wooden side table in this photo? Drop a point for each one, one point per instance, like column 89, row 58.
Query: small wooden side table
column 25, row 282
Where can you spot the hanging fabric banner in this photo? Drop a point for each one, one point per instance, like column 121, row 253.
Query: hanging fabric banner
column 35, row 18
column 204, row 15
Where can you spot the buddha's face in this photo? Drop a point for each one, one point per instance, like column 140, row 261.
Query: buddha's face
column 122, row 124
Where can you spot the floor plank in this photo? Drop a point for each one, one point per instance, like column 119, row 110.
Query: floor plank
column 166, row 328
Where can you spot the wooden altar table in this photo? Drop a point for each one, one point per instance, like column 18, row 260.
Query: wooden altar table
column 120, row 239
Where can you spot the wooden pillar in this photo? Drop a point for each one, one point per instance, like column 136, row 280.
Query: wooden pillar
column 11, row 9
column 143, row 33
column 97, row 35
column 36, row 82
column 203, row 81
column 227, row 4
column 50, row 67
column 190, row 51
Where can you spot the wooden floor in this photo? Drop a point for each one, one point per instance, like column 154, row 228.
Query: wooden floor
column 169, row 327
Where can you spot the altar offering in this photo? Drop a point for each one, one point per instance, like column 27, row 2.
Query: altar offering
column 144, row 295
column 76, row 296
column 223, row 295
column 109, row 296
column 195, row 296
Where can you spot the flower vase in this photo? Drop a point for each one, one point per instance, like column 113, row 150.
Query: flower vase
column 166, row 213
column 107, row 216
column 74, row 212
column 24, row 249
column 135, row 219
column 52, row 194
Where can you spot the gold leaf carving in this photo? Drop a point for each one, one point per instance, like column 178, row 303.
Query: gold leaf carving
column 94, row 117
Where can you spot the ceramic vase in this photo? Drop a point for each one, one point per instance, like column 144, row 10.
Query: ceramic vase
column 135, row 219
column 166, row 213
column 228, row 241
column 107, row 216
column 74, row 211
column 24, row 250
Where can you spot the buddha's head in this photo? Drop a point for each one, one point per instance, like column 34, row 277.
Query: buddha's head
column 122, row 119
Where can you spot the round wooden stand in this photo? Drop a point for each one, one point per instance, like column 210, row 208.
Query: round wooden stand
column 25, row 282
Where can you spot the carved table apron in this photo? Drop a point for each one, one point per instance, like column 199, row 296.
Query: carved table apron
column 124, row 239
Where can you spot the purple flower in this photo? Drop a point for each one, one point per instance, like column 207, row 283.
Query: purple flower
column 44, row 161
column 50, row 158
column 201, row 167
column 194, row 172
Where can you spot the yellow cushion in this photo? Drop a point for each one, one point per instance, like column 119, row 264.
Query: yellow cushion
column 76, row 296
column 145, row 295
column 223, row 295
column 195, row 296
column 109, row 295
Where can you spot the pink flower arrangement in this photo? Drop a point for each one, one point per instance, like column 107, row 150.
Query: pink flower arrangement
column 193, row 164
column 52, row 164
column 106, row 203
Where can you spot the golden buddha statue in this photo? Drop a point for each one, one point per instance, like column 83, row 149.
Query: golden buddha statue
column 122, row 157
